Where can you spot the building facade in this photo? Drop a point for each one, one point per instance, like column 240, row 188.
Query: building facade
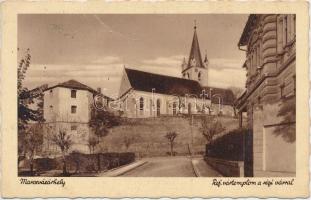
column 269, row 100
column 67, row 107
column 144, row 94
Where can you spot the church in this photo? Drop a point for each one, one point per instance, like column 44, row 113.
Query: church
column 143, row 94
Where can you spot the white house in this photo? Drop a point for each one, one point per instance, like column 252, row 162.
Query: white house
column 67, row 106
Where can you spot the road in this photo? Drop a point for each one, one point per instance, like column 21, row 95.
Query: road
column 164, row 167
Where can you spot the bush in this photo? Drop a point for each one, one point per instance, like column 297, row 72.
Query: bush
column 229, row 146
column 45, row 164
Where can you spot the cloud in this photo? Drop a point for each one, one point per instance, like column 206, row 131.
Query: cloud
column 171, row 61
column 224, row 63
column 106, row 72
column 226, row 78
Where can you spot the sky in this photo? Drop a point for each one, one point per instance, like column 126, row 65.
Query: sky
column 94, row 48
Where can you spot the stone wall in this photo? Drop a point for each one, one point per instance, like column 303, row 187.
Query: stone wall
column 149, row 135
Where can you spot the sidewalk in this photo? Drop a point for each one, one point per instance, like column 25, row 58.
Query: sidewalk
column 123, row 169
column 202, row 169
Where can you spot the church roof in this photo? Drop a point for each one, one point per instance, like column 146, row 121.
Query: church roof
column 195, row 53
column 145, row 81
column 73, row 84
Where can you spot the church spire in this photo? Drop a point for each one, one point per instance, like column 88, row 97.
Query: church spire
column 195, row 58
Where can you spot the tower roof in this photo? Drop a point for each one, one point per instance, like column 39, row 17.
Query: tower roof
column 195, row 58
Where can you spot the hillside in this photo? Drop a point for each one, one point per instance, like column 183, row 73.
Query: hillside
column 147, row 135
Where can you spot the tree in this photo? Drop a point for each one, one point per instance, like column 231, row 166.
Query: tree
column 236, row 93
column 171, row 136
column 129, row 139
column 287, row 128
column 210, row 127
column 63, row 140
column 100, row 123
column 26, row 98
column 92, row 143
column 33, row 141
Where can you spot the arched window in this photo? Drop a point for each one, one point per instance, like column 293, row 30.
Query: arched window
column 141, row 103
column 174, row 108
column 158, row 107
column 199, row 76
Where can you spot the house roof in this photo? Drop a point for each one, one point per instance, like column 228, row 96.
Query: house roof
column 73, row 84
column 144, row 81
column 246, row 32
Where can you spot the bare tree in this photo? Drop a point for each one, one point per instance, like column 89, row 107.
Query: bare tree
column 210, row 127
column 171, row 136
column 129, row 139
column 63, row 140
column 92, row 143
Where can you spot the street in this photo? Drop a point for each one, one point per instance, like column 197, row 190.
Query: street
column 164, row 167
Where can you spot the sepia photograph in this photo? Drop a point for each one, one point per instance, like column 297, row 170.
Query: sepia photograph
column 156, row 95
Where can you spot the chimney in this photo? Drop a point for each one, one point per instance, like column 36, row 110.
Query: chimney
column 99, row 90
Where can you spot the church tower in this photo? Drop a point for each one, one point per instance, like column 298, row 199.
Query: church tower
column 196, row 68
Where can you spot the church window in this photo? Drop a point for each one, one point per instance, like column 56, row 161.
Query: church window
column 73, row 93
column 141, row 103
column 174, row 108
column 199, row 76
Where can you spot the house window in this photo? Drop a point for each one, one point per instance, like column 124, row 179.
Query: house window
column 285, row 32
column 51, row 108
column 141, row 103
column 73, row 109
column 279, row 35
column 199, row 76
column 188, row 75
column 73, row 93
column 51, row 93
column 74, row 127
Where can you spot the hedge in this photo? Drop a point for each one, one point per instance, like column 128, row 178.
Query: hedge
column 79, row 162
column 229, row 146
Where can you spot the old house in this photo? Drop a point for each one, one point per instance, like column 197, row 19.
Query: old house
column 269, row 100
column 67, row 106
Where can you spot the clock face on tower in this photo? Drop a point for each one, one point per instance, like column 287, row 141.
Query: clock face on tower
column 193, row 62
